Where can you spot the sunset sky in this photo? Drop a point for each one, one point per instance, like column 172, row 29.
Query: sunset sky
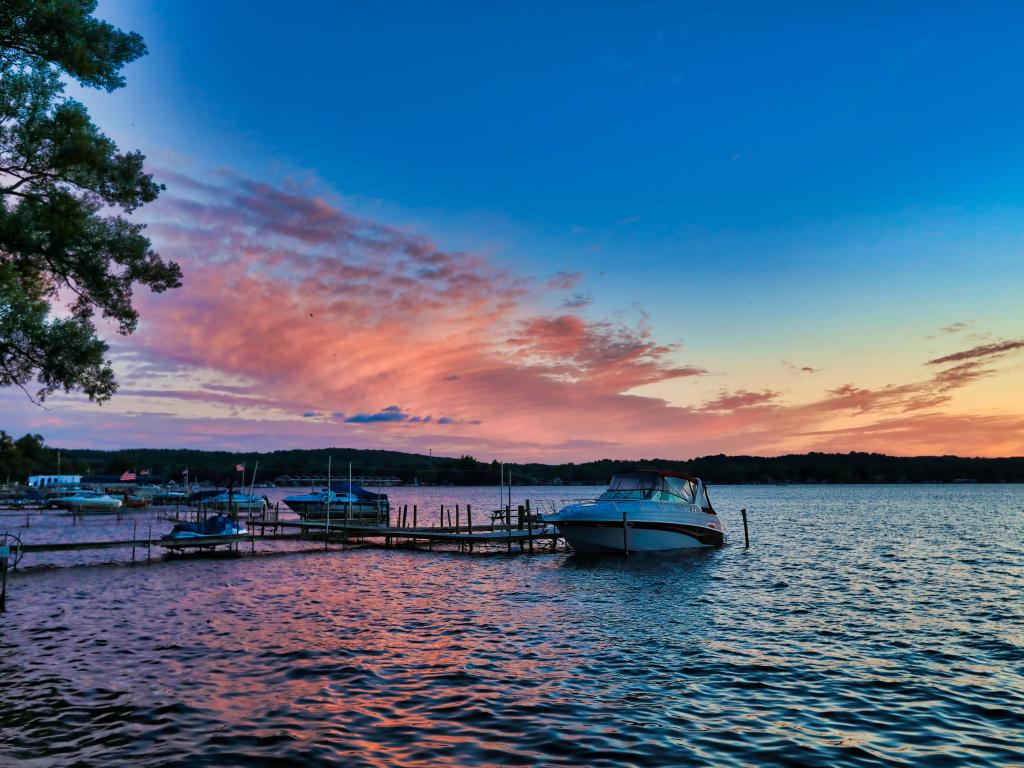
column 572, row 231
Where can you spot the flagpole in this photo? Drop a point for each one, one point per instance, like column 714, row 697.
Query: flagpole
column 328, row 533
column 252, row 480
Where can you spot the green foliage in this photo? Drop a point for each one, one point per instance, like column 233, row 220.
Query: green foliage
column 29, row 455
column 62, row 251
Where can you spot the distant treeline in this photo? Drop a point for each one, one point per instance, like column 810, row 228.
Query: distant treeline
column 29, row 455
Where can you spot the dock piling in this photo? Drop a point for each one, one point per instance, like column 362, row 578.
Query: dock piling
column 746, row 532
column 625, row 533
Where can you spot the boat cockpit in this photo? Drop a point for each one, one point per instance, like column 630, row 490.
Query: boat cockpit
column 651, row 485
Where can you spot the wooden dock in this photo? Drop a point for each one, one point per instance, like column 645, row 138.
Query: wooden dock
column 529, row 539
column 514, row 530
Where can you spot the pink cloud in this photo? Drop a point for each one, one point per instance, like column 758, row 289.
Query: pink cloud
column 300, row 324
column 731, row 401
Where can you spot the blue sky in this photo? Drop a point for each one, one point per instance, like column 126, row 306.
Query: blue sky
column 827, row 185
column 600, row 129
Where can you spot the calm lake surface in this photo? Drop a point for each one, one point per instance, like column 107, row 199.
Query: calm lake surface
column 866, row 625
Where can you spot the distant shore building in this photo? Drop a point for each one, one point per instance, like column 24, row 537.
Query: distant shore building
column 44, row 481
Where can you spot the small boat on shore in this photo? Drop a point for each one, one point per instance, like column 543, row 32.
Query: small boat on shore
column 344, row 501
column 642, row 511
column 82, row 500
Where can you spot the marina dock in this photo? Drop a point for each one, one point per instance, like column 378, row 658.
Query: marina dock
column 512, row 531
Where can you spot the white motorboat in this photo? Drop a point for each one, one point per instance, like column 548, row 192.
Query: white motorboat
column 642, row 511
column 86, row 501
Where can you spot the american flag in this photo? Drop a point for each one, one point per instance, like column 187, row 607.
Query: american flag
column 144, row 472
column 239, row 467
column 127, row 476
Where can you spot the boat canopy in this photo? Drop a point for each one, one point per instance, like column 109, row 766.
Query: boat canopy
column 355, row 489
column 657, row 485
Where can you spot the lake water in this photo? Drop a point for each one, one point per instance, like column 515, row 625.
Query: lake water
column 866, row 625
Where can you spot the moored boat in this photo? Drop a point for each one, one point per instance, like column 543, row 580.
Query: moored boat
column 215, row 531
column 643, row 511
column 236, row 501
column 83, row 500
column 215, row 526
column 343, row 501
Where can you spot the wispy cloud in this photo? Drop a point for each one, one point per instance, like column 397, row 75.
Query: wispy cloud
column 732, row 401
column 982, row 351
column 799, row 368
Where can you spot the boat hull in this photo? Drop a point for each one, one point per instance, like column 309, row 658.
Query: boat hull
column 88, row 506
column 637, row 526
column 356, row 511
column 603, row 536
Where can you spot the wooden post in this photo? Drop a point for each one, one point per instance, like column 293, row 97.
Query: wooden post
column 413, row 515
column 746, row 533
column 449, row 516
column 469, row 517
column 135, row 535
column 149, row 543
column 3, row 581
column 529, row 527
column 457, row 518
column 529, row 517
column 519, row 517
column 625, row 533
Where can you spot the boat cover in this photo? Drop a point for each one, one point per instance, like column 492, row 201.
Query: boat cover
column 358, row 491
column 215, row 525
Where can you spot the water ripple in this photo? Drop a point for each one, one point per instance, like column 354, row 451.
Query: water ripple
column 866, row 626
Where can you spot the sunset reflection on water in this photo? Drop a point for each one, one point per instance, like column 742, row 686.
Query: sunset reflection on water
column 822, row 644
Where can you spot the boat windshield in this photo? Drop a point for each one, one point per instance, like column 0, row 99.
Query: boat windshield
column 679, row 490
column 650, row 486
column 632, row 485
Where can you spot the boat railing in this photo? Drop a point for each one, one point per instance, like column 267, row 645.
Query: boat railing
column 551, row 506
